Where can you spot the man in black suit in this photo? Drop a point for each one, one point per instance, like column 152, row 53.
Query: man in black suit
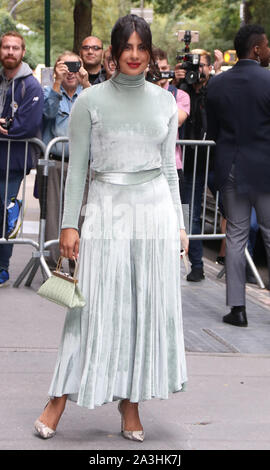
column 238, row 110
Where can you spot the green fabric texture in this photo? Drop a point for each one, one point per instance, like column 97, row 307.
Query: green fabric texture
column 130, row 126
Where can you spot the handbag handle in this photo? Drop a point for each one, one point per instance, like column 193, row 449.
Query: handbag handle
column 59, row 264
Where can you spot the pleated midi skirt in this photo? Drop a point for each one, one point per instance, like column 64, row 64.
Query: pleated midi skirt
column 127, row 342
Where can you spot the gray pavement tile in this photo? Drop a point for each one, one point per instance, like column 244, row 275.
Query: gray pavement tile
column 225, row 406
column 203, row 309
column 226, row 402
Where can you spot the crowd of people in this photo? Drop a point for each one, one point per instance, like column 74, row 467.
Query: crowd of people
column 131, row 127
column 50, row 119
column 48, row 116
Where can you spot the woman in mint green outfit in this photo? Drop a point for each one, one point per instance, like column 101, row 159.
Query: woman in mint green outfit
column 127, row 343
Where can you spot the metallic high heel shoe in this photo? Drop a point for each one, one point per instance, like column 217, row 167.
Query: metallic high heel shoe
column 44, row 431
column 131, row 435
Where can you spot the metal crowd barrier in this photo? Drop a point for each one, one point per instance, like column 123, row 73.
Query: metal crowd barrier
column 203, row 235
column 196, row 144
column 47, row 163
column 42, row 247
column 20, row 239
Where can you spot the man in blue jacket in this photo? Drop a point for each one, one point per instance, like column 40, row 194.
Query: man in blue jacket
column 58, row 102
column 21, row 104
column 238, row 106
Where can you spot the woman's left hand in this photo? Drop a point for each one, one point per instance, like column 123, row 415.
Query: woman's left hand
column 184, row 241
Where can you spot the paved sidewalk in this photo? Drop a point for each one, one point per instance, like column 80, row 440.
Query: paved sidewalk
column 225, row 406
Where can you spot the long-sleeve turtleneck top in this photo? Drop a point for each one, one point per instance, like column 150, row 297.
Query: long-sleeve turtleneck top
column 129, row 125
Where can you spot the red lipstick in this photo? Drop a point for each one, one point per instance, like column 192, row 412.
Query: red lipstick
column 134, row 65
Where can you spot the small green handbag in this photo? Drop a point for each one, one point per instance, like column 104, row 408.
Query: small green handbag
column 62, row 288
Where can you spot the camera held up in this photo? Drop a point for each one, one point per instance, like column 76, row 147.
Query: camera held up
column 8, row 121
column 154, row 74
column 190, row 62
column 73, row 66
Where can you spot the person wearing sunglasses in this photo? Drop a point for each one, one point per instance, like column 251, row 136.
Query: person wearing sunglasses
column 91, row 53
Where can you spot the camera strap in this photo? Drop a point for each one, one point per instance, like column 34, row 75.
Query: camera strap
column 173, row 90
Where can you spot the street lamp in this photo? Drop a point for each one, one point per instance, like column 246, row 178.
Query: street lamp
column 47, row 30
column 15, row 6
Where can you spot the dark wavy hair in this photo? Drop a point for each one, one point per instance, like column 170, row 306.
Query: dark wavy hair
column 246, row 38
column 121, row 32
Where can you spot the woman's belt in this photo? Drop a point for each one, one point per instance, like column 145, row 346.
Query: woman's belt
column 123, row 178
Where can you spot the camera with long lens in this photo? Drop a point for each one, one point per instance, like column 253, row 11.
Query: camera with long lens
column 168, row 75
column 190, row 62
column 6, row 125
column 154, row 74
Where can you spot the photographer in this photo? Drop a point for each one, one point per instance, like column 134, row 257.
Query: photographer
column 58, row 102
column 195, row 129
column 182, row 101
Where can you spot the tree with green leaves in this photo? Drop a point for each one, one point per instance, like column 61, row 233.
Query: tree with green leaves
column 6, row 22
column 168, row 6
column 256, row 13
column 216, row 20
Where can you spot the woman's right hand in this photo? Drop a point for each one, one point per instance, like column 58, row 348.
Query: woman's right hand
column 69, row 243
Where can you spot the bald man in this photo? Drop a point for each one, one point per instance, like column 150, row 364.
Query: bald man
column 91, row 53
